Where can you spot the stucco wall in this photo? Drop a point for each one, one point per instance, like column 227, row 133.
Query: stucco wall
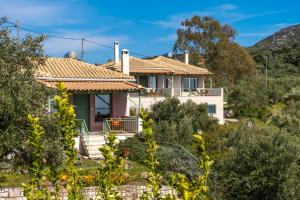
column 146, row 102
column 119, row 105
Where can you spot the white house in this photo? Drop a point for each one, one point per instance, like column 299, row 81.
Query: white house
column 165, row 77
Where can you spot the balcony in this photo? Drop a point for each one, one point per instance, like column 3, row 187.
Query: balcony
column 121, row 125
column 178, row 92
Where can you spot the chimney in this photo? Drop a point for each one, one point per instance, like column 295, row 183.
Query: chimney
column 186, row 57
column 116, row 48
column 125, row 61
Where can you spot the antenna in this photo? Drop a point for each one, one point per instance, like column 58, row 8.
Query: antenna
column 82, row 52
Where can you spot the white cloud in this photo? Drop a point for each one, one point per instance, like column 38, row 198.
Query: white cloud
column 227, row 13
column 38, row 13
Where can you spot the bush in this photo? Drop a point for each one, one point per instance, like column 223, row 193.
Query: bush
column 263, row 164
column 165, row 131
column 176, row 122
column 136, row 145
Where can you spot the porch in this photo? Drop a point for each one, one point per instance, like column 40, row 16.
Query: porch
column 104, row 112
column 88, row 143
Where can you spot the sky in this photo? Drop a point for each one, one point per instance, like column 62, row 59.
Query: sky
column 144, row 27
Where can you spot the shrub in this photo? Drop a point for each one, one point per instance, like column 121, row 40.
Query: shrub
column 176, row 122
column 263, row 164
column 136, row 145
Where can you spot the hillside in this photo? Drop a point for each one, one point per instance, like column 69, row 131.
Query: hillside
column 285, row 36
column 282, row 52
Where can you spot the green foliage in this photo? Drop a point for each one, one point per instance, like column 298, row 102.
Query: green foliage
column 136, row 146
column 110, row 171
column 196, row 188
column 153, row 178
column 263, row 164
column 21, row 94
column 207, row 39
column 286, row 116
column 251, row 98
column 176, row 122
column 216, row 139
column 66, row 121
column 282, row 62
column 37, row 188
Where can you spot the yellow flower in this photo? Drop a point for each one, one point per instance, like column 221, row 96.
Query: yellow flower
column 63, row 177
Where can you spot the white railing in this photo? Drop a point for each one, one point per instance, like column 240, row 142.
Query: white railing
column 177, row 92
column 202, row 92
column 121, row 125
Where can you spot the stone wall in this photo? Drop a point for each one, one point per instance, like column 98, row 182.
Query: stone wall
column 128, row 192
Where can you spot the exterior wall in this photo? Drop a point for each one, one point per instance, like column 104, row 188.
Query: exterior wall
column 211, row 100
column 146, row 102
column 119, row 108
column 119, row 105
column 94, row 126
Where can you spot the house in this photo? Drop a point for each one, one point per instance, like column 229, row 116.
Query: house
column 99, row 95
column 165, row 77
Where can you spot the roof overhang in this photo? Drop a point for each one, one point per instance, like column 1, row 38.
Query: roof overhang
column 84, row 79
column 96, row 86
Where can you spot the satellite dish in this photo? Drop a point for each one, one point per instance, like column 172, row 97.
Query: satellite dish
column 71, row 54
column 170, row 55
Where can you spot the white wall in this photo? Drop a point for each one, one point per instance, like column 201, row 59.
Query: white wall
column 146, row 102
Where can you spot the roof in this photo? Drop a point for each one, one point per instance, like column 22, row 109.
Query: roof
column 158, row 65
column 179, row 67
column 72, row 68
column 96, row 86
column 81, row 76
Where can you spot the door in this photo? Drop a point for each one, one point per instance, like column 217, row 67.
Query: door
column 82, row 107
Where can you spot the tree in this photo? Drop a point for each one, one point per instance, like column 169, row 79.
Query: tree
column 206, row 37
column 21, row 94
column 176, row 122
column 263, row 164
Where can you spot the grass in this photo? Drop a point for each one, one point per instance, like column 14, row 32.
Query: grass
column 13, row 179
column 87, row 167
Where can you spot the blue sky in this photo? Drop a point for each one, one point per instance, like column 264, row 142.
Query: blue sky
column 144, row 27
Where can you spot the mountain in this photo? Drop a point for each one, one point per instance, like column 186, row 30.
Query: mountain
column 281, row 38
column 280, row 51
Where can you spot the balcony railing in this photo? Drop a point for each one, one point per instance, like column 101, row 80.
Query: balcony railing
column 177, row 92
column 121, row 125
column 203, row 92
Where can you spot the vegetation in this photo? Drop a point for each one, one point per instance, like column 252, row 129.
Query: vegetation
column 207, row 39
column 263, row 164
column 111, row 170
column 176, row 122
column 20, row 95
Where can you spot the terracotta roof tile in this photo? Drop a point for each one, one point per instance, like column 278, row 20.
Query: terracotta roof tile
column 72, row 68
column 159, row 65
column 96, row 86
column 180, row 68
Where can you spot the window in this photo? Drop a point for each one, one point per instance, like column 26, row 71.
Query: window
column 211, row 109
column 166, row 84
column 190, row 84
column 152, row 82
column 102, row 106
column 143, row 80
